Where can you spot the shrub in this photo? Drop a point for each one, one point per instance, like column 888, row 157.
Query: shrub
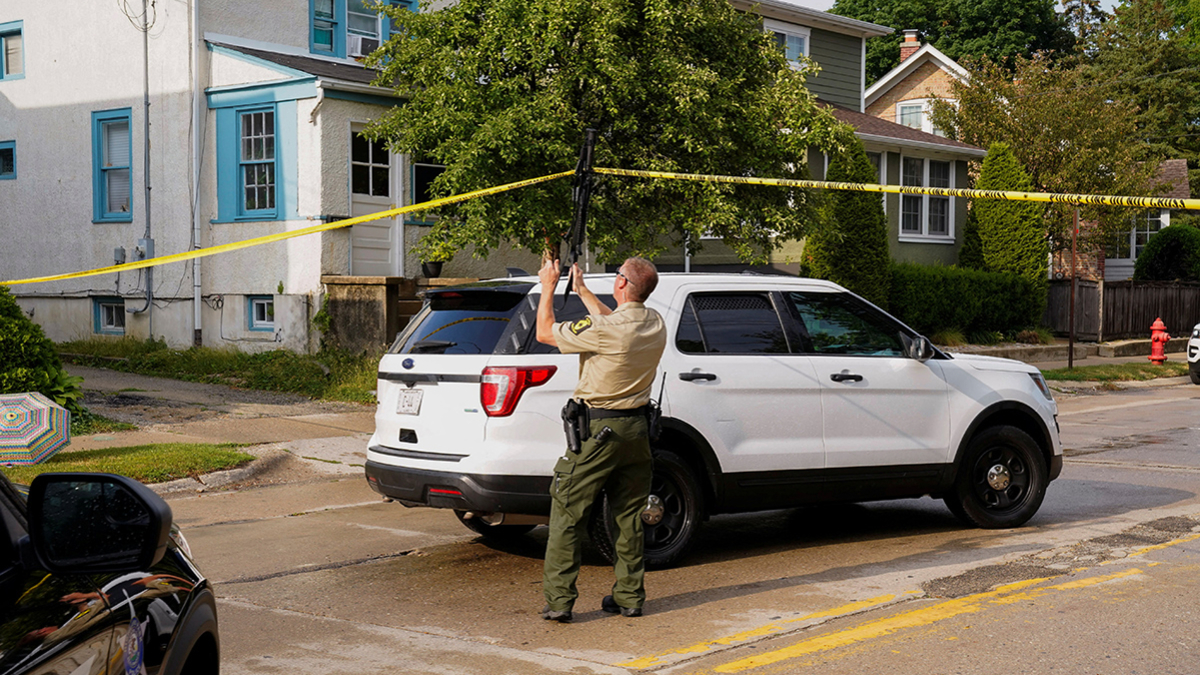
column 28, row 361
column 1173, row 253
column 933, row 299
column 853, row 248
column 1011, row 233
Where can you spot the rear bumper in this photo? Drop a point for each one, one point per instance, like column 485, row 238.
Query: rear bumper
column 528, row 495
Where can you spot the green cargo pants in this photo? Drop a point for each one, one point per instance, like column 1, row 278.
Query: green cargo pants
column 621, row 467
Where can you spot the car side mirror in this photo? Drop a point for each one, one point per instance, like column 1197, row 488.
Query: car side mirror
column 919, row 348
column 83, row 523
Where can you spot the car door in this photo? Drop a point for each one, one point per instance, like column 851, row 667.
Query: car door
column 881, row 407
column 735, row 372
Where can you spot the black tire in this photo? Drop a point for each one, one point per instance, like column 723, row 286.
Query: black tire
column 673, row 482
column 1001, row 479
column 497, row 533
column 1194, row 372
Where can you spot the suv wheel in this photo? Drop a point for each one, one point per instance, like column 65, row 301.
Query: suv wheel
column 497, row 533
column 1194, row 372
column 1001, row 481
column 675, row 495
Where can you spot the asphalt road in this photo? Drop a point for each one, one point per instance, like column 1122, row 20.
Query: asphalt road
column 315, row 574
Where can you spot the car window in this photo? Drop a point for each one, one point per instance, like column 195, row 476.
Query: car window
column 730, row 323
column 839, row 323
column 466, row 322
column 574, row 309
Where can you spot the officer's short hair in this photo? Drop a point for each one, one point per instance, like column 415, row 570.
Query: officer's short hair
column 642, row 276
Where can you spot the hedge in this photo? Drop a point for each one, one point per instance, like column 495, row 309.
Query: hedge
column 1172, row 253
column 935, row 298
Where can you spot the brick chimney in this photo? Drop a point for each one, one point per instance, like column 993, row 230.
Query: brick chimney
column 910, row 45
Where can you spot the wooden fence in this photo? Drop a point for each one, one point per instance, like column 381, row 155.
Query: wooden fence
column 1118, row 310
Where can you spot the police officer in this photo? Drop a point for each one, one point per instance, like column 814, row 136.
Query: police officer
column 618, row 352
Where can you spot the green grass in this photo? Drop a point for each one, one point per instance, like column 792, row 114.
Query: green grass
column 333, row 375
column 97, row 424
column 155, row 463
column 1118, row 372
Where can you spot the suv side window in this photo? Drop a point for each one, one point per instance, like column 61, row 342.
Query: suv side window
column 839, row 323
column 525, row 322
column 730, row 323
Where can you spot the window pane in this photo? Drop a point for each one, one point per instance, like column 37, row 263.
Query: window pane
column 8, row 162
column 379, row 181
column 876, row 160
column 939, row 174
column 367, row 26
column 423, row 177
column 379, row 153
column 939, row 215
column 323, row 36
column 914, row 168
column 360, row 149
column 688, row 339
column 740, row 324
column 360, row 179
column 910, row 214
column 14, row 63
column 323, row 8
column 116, row 144
column 840, row 324
column 910, row 116
column 117, row 192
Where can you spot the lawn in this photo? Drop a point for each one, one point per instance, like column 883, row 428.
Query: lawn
column 157, row 463
column 1118, row 372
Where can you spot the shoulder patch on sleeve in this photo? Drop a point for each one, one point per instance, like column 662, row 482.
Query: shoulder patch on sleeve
column 581, row 325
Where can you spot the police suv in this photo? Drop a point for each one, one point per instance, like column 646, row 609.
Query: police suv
column 776, row 392
column 1193, row 355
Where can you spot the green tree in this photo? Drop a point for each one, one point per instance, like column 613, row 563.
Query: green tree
column 28, row 361
column 997, row 29
column 502, row 90
column 1011, row 235
column 1173, row 253
column 1067, row 134
column 852, row 248
column 970, row 256
column 1144, row 57
column 1084, row 18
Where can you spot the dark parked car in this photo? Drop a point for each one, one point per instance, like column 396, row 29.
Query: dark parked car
column 94, row 578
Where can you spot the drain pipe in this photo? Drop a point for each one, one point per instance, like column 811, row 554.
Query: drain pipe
column 146, row 244
column 197, row 134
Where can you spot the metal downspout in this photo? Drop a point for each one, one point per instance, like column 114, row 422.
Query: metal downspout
column 197, row 134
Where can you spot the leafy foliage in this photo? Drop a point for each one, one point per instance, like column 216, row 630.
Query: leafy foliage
column 502, row 90
column 1067, row 134
column 1173, row 253
column 934, row 299
column 996, row 29
column 28, row 361
column 970, row 255
column 852, row 248
column 1010, row 232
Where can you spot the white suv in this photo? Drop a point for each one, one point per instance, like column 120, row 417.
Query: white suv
column 776, row 392
column 1193, row 355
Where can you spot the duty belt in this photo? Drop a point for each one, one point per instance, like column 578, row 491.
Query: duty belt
column 605, row 413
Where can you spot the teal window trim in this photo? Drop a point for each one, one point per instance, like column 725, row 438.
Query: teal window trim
column 257, row 163
column 386, row 27
column 253, row 322
column 8, row 30
column 230, row 187
column 101, row 172
column 261, row 94
column 327, row 34
column 116, row 309
column 11, row 174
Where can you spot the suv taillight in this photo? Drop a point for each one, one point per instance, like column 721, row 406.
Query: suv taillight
column 502, row 387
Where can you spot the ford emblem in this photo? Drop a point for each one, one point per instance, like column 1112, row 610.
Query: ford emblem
column 408, row 364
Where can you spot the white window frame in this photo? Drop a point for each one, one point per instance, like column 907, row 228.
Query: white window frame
column 791, row 30
column 926, row 122
column 924, row 237
column 1141, row 220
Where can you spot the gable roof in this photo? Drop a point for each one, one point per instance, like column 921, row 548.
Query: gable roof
column 871, row 128
column 335, row 70
column 926, row 54
column 814, row 18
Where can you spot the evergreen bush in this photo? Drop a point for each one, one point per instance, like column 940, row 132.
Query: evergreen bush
column 852, row 250
column 935, row 298
column 1012, row 234
column 1173, row 253
column 28, row 361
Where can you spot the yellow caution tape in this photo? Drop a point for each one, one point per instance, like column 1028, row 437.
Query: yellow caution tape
column 1093, row 200
column 281, row 236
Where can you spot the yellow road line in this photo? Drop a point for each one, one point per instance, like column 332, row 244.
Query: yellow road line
column 1158, row 547
column 281, row 236
column 769, row 629
column 1055, row 198
column 916, row 618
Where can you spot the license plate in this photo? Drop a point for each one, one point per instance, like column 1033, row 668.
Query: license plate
column 410, row 402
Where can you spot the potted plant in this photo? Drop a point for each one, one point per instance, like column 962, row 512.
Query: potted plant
column 433, row 254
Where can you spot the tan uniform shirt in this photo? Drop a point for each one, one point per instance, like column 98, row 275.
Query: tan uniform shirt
column 618, row 355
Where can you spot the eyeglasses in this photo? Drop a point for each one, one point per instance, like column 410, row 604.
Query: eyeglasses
column 627, row 279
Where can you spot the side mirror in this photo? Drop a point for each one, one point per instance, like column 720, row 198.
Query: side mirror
column 82, row 523
column 919, row 347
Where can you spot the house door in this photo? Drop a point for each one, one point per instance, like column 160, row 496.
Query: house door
column 374, row 246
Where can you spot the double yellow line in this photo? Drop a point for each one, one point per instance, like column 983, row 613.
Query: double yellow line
column 1093, row 200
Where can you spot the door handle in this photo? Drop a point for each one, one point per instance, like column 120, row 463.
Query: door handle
column 688, row 377
column 846, row 377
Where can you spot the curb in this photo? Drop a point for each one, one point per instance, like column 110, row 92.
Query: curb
column 218, row 479
column 1119, row 385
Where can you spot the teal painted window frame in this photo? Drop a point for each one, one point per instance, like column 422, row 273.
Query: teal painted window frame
column 98, row 304
column 336, row 25
column 9, row 175
column 7, row 30
column 252, row 321
column 266, row 138
column 100, row 212
column 230, row 196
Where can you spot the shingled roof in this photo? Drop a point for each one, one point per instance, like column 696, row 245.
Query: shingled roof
column 322, row 68
column 883, row 130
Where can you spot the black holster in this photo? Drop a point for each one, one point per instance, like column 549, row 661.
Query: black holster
column 653, row 420
column 575, row 425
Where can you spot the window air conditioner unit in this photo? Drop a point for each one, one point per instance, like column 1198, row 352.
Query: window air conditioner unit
column 359, row 45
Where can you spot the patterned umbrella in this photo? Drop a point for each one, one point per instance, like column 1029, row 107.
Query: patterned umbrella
column 32, row 428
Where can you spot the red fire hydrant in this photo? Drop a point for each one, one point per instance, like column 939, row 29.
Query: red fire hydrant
column 1158, row 342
